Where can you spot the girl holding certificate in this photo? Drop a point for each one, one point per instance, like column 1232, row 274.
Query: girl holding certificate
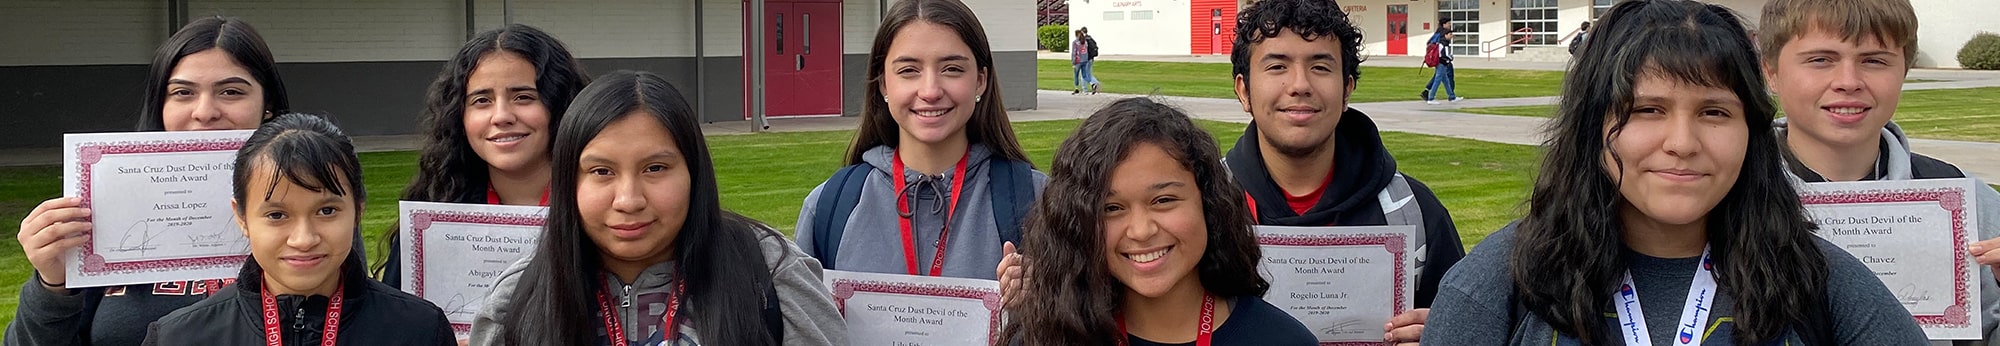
column 638, row 247
column 1662, row 214
column 935, row 183
column 213, row 74
column 298, row 197
column 1144, row 241
column 489, row 119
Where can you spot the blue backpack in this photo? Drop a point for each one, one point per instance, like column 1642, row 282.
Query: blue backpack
column 1012, row 183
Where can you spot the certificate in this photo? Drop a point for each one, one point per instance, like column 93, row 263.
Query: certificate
column 159, row 206
column 455, row 252
column 1343, row 283
column 909, row 310
column 1913, row 234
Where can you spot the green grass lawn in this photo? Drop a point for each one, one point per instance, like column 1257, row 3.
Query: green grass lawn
column 1955, row 114
column 1214, row 80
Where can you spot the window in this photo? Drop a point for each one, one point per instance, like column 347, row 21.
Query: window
column 1114, row 15
column 1532, row 22
column 1598, row 8
column 1464, row 18
column 1142, row 15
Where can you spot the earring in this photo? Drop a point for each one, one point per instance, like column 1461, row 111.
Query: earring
column 976, row 99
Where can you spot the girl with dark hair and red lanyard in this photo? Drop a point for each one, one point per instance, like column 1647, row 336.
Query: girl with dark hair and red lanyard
column 298, row 195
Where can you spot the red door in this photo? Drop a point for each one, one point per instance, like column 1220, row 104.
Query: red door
column 1399, row 29
column 802, row 58
column 1213, row 26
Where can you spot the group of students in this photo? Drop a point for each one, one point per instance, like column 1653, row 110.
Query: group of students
column 1664, row 173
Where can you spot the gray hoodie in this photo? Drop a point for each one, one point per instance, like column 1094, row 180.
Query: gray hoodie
column 809, row 314
column 873, row 243
column 1897, row 162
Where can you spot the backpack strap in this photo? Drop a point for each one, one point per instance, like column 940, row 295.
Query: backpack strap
column 835, row 205
column 1013, row 187
column 1400, row 207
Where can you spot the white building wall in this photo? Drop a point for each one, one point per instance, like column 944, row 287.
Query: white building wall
column 862, row 18
column 610, row 28
column 343, row 31
column 1167, row 33
column 81, row 32
column 1945, row 25
column 1010, row 24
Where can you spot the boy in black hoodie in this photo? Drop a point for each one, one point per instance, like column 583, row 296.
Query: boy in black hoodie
column 1308, row 160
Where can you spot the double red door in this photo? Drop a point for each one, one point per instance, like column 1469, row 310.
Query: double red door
column 1399, row 30
column 802, row 56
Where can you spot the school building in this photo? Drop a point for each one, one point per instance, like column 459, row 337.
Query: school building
column 79, row 66
column 1534, row 30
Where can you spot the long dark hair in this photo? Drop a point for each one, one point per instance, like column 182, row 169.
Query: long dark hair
column 1568, row 254
column 718, row 250
column 1065, row 235
column 989, row 124
column 236, row 38
column 448, row 170
column 311, row 152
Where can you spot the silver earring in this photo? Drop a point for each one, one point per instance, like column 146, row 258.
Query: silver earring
column 976, row 99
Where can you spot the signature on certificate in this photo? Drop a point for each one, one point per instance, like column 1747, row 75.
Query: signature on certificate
column 459, row 304
column 1911, row 295
column 138, row 237
column 1347, row 327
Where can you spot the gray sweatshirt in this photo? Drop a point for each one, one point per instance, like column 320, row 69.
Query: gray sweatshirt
column 1475, row 303
column 1897, row 162
column 809, row 314
column 873, row 242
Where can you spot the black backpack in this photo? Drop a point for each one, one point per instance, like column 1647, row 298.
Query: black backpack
column 1012, row 183
column 1091, row 47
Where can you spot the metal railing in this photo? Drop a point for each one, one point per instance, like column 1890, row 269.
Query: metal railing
column 1510, row 43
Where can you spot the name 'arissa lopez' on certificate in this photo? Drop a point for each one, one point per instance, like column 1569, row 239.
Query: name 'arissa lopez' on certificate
column 457, row 251
column 897, row 309
column 1343, row 283
column 159, row 206
column 1913, row 234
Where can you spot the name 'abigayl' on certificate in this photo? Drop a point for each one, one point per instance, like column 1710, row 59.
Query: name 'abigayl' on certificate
column 1913, row 234
column 455, row 252
column 1343, row 283
column 909, row 310
column 159, row 206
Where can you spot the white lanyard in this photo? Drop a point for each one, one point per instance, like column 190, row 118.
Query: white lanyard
column 1694, row 314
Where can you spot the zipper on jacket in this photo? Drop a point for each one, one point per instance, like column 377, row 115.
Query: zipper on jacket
column 625, row 301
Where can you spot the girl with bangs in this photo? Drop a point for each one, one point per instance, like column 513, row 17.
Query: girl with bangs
column 1662, row 214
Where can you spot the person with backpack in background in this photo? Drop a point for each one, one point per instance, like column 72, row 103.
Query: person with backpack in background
column 1437, row 54
column 1576, row 37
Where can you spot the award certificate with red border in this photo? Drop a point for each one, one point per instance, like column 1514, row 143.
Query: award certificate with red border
column 1343, row 283
column 897, row 309
column 159, row 205
column 454, row 253
column 1913, row 234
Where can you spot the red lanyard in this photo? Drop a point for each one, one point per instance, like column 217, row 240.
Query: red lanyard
column 904, row 216
column 1201, row 333
column 273, row 336
column 493, row 197
column 616, row 331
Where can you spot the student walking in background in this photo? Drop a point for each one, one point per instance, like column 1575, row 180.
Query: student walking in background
column 1445, row 75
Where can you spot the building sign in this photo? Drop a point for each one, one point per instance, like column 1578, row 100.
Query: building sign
column 1128, row 4
column 1353, row 9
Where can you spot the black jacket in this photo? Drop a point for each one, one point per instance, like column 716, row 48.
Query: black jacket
column 1362, row 167
column 371, row 314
